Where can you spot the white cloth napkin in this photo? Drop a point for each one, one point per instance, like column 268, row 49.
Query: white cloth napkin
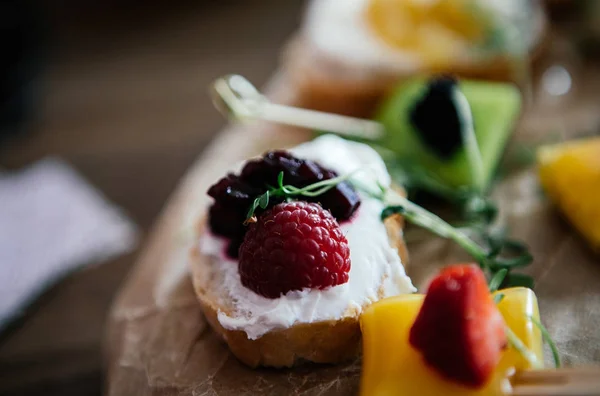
column 52, row 222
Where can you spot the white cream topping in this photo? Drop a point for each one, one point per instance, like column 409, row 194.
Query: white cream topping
column 373, row 260
column 340, row 28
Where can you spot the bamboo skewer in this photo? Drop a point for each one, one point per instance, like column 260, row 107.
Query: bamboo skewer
column 236, row 97
column 581, row 381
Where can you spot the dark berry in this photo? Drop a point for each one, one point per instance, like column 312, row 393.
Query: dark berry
column 442, row 132
column 264, row 171
column 226, row 221
column 235, row 194
column 231, row 190
column 342, row 201
column 311, row 172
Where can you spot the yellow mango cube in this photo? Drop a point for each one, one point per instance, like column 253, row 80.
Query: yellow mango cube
column 570, row 175
column 392, row 367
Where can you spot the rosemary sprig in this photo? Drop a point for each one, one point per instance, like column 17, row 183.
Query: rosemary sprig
column 288, row 191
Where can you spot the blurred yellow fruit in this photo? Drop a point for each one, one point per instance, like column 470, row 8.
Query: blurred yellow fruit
column 434, row 29
column 391, row 367
column 570, row 175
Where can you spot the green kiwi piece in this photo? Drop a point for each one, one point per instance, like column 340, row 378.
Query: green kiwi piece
column 494, row 107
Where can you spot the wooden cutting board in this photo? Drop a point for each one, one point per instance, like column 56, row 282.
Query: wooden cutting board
column 158, row 342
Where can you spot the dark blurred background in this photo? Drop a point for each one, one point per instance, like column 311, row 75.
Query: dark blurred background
column 117, row 89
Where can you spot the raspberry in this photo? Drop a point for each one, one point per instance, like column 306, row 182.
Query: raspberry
column 293, row 246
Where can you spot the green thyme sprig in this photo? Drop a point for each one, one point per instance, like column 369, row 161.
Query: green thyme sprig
column 520, row 347
column 497, row 279
column 527, row 353
column 288, row 191
column 500, row 256
column 531, row 358
column 547, row 339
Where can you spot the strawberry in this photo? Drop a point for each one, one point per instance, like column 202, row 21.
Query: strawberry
column 459, row 330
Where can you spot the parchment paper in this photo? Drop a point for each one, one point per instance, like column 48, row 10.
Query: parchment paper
column 158, row 342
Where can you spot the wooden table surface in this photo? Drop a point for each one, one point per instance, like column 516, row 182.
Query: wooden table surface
column 123, row 99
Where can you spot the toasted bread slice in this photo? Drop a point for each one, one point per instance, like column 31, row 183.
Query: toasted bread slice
column 330, row 341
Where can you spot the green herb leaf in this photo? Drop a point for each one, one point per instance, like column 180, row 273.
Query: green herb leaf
column 479, row 209
column 390, row 211
column 421, row 217
column 489, row 259
column 527, row 354
column 520, row 346
column 289, row 191
column 497, row 279
column 518, row 280
column 508, row 254
column 548, row 339
column 263, row 200
column 515, row 262
column 515, row 246
column 253, row 208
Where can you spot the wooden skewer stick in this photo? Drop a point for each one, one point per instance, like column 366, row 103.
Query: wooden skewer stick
column 236, row 97
column 581, row 381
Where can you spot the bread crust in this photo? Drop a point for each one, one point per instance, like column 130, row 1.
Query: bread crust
column 330, row 341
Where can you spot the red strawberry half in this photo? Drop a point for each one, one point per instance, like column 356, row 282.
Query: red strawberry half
column 459, row 330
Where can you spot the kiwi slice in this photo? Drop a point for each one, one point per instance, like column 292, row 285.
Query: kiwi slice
column 425, row 124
